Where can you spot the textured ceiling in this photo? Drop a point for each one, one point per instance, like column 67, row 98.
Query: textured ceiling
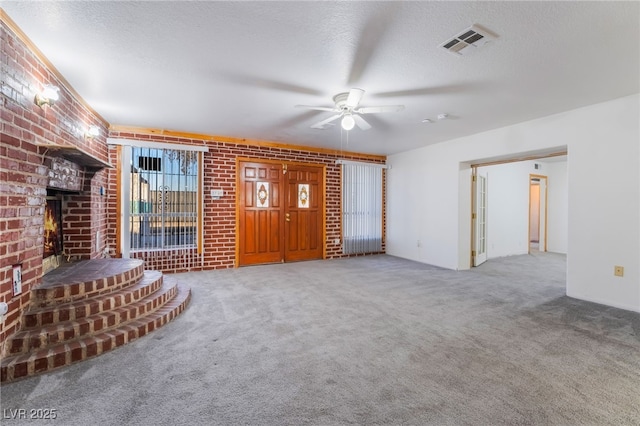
column 237, row 69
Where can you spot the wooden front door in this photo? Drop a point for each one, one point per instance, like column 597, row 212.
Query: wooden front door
column 303, row 215
column 280, row 212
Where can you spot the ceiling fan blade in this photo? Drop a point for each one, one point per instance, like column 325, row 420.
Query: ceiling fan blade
column 361, row 122
column 302, row 117
column 378, row 109
column 432, row 90
column 264, row 83
column 320, row 124
column 318, row 108
column 371, row 38
column 354, row 97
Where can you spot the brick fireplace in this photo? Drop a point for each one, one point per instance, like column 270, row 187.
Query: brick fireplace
column 71, row 209
column 52, row 254
column 64, row 181
column 64, row 176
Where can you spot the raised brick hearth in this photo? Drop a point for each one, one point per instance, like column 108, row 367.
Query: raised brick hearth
column 87, row 308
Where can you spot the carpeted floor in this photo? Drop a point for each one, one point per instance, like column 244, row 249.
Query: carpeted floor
column 368, row 340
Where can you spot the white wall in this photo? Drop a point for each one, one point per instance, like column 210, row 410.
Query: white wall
column 557, row 205
column 429, row 196
column 507, row 208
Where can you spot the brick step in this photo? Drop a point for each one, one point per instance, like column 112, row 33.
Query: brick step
column 25, row 365
column 86, row 279
column 28, row 340
column 39, row 317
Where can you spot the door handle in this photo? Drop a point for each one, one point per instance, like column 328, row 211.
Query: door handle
column 287, row 217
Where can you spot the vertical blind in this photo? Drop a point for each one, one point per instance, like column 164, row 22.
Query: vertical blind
column 361, row 207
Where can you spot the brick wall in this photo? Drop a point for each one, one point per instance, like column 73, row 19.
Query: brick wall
column 25, row 170
column 220, row 173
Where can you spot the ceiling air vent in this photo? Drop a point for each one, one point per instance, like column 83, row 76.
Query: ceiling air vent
column 474, row 36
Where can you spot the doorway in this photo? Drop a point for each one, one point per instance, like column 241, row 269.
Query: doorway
column 537, row 213
column 507, row 216
column 280, row 212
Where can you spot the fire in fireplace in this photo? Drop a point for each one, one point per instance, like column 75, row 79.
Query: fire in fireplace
column 52, row 254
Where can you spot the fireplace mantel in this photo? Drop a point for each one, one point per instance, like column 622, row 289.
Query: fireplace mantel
column 77, row 155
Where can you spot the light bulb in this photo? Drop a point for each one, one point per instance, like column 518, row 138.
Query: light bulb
column 51, row 93
column 48, row 96
column 348, row 122
column 93, row 131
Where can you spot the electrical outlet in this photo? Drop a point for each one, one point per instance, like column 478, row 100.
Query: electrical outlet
column 618, row 271
column 336, row 241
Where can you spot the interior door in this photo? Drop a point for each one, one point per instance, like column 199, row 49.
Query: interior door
column 543, row 214
column 304, row 213
column 534, row 211
column 260, row 213
column 479, row 253
column 280, row 212
column 537, row 213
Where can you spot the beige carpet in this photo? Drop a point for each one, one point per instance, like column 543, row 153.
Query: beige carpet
column 368, row 340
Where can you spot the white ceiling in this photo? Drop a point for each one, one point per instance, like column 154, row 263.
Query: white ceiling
column 238, row 69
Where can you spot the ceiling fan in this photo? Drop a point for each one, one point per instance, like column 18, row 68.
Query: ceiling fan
column 346, row 106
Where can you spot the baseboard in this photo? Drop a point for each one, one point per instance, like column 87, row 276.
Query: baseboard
column 600, row 302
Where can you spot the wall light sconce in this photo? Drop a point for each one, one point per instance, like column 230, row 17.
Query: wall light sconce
column 48, row 96
column 92, row 132
column 348, row 122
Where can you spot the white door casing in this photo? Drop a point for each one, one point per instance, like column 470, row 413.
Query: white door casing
column 479, row 218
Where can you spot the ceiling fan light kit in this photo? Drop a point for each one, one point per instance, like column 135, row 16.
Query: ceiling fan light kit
column 348, row 122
